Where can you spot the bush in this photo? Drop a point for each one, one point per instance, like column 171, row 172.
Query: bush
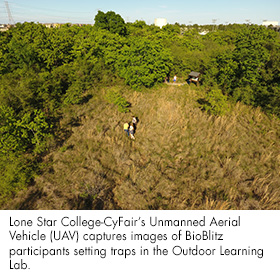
column 74, row 94
column 215, row 103
column 16, row 173
column 116, row 98
column 244, row 94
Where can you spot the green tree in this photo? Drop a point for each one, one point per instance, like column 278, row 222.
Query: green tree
column 19, row 134
column 110, row 21
column 58, row 46
column 251, row 54
column 222, row 71
column 4, row 40
column 25, row 43
column 143, row 62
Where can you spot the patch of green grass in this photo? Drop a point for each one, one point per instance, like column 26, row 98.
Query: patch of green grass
column 115, row 97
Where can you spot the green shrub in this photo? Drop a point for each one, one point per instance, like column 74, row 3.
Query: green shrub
column 74, row 94
column 16, row 173
column 215, row 103
column 116, row 98
column 244, row 94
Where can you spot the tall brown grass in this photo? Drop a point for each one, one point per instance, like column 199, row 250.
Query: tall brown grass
column 182, row 158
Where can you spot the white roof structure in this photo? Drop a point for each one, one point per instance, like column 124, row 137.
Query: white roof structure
column 160, row 22
column 268, row 22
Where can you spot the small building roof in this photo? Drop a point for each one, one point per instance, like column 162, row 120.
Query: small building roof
column 194, row 74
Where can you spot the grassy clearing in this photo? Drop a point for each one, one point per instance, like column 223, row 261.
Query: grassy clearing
column 182, row 158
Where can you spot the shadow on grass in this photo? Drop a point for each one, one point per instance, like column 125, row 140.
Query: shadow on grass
column 30, row 201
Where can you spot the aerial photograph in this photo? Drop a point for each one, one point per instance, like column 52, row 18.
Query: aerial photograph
column 140, row 105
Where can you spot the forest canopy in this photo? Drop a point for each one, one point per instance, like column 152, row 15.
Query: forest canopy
column 45, row 69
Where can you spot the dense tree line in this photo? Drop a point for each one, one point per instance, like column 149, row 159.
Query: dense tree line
column 43, row 69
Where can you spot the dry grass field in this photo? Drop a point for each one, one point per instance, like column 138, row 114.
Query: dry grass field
column 182, row 158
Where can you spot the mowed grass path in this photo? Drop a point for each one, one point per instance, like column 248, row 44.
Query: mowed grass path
column 182, row 158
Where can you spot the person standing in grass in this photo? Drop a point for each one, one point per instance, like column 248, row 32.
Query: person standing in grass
column 134, row 121
column 131, row 131
column 125, row 128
